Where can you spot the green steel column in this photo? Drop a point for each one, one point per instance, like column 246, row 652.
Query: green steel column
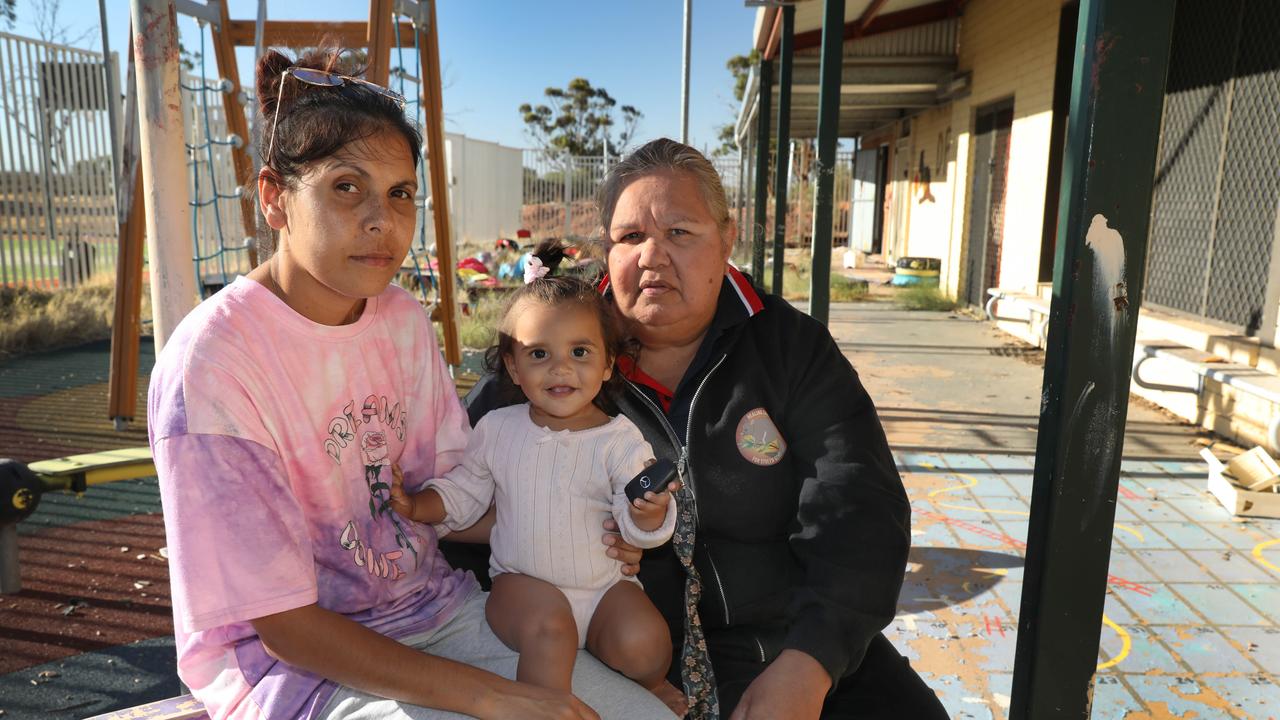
column 765, row 96
column 828, row 129
column 782, row 156
column 1117, row 95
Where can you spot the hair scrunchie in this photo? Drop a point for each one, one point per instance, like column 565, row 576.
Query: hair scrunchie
column 534, row 269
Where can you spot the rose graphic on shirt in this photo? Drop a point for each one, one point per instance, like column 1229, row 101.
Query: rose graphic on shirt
column 373, row 447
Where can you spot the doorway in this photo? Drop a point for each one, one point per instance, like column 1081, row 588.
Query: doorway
column 992, row 133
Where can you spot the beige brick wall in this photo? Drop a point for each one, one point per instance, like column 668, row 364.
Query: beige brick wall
column 1010, row 46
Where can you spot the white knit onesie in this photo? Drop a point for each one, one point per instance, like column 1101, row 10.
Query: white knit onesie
column 553, row 490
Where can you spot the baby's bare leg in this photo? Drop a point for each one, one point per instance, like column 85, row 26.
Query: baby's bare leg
column 533, row 618
column 628, row 634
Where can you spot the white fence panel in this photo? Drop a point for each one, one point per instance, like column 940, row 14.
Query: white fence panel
column 58, row 221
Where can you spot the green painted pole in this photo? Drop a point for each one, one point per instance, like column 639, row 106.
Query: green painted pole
column 760, row 225
column 783, row 154
column 825, row 167
column 1122, row 51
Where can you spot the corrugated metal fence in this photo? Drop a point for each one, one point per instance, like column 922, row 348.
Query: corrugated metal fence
column 57, row 202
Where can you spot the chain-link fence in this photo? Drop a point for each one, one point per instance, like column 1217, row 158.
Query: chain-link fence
column 1217, row 185
column 58, row 222
column 560, row 192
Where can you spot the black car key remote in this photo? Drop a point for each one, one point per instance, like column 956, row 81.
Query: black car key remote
column 654, row 478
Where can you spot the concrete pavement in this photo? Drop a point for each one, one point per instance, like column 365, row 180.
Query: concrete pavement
column 947, row 380
column 1190, row 621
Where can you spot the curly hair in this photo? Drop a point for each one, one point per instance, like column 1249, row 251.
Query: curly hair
column 557, row 290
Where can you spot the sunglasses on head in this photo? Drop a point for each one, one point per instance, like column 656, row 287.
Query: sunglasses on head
column 320, row 78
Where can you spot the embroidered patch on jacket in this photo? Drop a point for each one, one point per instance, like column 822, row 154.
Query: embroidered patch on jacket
column 759, row 440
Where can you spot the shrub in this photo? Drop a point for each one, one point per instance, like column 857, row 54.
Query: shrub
column 34, row 320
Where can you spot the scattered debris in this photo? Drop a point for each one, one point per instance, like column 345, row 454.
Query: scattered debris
column 124, row 549
column 71, row 607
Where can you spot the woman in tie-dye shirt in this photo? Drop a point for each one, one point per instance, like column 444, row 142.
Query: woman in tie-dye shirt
column 276, row 411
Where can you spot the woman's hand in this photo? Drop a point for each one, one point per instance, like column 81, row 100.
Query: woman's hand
column 537, row 703
column 621, row 550
column 401, row 501
column 793, row 687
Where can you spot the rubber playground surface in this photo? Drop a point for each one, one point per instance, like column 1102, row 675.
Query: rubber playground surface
column 1192, row 626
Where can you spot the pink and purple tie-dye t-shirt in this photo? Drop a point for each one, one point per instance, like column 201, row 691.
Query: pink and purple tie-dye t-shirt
column 273, row 439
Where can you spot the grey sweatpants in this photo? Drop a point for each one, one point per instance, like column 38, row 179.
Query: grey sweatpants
column 467, row 638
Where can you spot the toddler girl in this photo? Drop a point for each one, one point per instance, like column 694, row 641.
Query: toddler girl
column 555, row 466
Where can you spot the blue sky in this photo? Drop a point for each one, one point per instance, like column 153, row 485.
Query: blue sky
column 497, row 54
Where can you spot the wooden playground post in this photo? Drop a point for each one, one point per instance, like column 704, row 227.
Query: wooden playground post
column 379, row 38
column 429, row 57
column 126, row 325
column 225, row 59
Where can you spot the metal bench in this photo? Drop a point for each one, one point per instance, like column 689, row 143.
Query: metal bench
column 183, row 707
column 1205, row 365
column 1037, row 306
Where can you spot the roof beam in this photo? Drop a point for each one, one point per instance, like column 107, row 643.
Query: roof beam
column 870, row 88
column 295, row 33
column 867, row 16
column 872, row 102
column 919, row 15
column 878, row 74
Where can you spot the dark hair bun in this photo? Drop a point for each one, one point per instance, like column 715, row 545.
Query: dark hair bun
column 551, row 252
column 271, row 67
column 326, row 57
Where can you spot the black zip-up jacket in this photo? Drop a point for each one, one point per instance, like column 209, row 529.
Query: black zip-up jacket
column 803, row 522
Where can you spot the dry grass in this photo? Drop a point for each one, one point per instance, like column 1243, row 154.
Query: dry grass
column 795, row 283
column 924, row 298
column 479, row 329
column 34, row 320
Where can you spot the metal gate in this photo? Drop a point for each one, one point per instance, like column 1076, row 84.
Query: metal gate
column 58, row 221
column 559, row 192
column 986, row 209
column 1217, row 184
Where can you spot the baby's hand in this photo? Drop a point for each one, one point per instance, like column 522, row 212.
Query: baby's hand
column 649, row 511
column 401, row 501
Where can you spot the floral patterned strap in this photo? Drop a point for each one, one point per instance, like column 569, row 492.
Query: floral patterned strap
column 695, row 665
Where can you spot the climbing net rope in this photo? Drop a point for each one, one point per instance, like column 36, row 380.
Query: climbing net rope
column 216, row 261
column 414, row 101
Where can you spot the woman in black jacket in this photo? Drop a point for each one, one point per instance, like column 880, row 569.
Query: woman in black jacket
column 794, row 530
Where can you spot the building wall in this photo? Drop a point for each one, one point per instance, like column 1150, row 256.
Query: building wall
column 485, row 191
column 1010, row 46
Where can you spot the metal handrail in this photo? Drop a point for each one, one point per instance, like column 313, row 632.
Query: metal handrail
column 1148, row 352
column 989, row 309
